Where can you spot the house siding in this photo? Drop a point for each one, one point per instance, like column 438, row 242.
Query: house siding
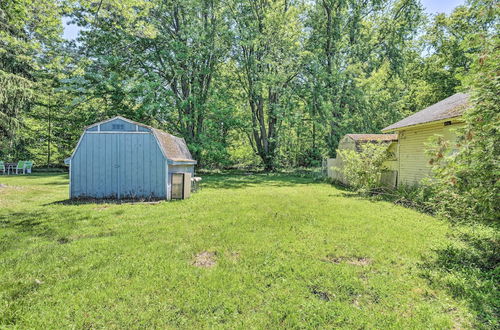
column 413, row 161
column 392, row 163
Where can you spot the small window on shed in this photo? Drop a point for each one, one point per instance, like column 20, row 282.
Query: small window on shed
column 117, row 126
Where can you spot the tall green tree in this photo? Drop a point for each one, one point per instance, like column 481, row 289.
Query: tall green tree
column 353, row 43
column 268, row 57
column 158, row 65
column 29, row 32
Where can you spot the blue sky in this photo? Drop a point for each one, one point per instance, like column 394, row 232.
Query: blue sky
column 441, row 6
column 431, row 7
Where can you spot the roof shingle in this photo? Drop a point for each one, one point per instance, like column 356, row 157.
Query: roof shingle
column 453, row 106
column 175, row 148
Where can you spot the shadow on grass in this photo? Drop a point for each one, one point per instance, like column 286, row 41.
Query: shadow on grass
column 469, row 270
column 236, row 181
column 27, row 223
column 229, row 180
column 38, row 175
column 55, row 183
column 59, row 179
column 40, row 224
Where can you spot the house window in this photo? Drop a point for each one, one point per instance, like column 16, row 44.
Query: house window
column 117, row 126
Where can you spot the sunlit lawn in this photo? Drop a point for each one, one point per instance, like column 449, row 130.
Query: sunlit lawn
column 282, row 251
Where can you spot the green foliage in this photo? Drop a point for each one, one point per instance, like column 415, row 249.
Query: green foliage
column 363, row 168
column 166, row 76
column 356, row 73
column 466, row 182
column 268, row 56
column 281, row 81
column 29, row 34
column 418, row 197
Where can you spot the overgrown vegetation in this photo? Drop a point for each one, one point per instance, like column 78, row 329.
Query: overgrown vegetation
column 363, row 168
column 251, row 250
column 465, row 183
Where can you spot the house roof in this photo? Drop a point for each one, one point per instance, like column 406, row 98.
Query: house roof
column 373, row 137
column 173, row 147
column 453, row 106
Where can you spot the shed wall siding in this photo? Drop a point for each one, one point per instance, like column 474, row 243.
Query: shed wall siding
column 118, row 165
column 181, row 169
column 413, row 162
column 108, row 126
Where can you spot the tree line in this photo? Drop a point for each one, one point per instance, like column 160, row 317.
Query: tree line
column 266, row 83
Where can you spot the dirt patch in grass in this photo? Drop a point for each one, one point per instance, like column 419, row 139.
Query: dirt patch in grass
column 204, row 259
column 63, row 240
column 359, row 261
column 323, row 295
column 101, row 208
column 4, row 187
column 356, row 261
column 233, row 256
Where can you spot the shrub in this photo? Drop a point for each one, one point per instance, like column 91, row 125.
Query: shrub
column 418, row 197
column 466, row 183
column 363, row 169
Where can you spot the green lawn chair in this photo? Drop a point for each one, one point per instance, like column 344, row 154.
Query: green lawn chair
column 2, row 167
column 28, row 165
column 20, row 167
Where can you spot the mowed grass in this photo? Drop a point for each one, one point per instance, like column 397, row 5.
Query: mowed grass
column 288, row 252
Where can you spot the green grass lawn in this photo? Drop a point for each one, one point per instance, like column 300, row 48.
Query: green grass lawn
column 273, row 251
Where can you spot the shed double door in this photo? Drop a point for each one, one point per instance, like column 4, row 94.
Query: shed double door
column 135, row 166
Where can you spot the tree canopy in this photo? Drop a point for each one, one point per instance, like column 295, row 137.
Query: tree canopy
column 265, row 83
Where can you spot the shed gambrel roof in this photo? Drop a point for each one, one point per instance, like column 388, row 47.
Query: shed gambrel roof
column 451, row 107
column 173, row 147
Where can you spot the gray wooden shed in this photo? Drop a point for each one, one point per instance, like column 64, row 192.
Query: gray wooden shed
column 120, row 158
